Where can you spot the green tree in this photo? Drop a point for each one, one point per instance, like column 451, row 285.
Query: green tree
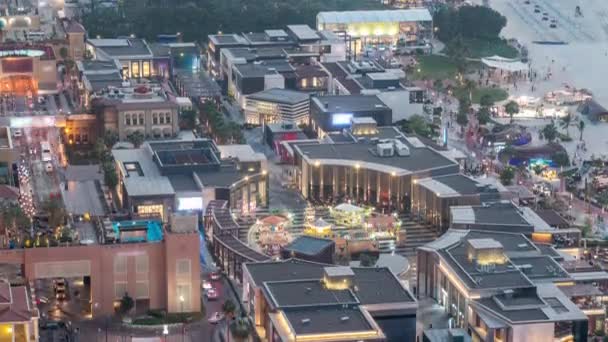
column 110, row 138
column 101, row 154
column 136, row 138
column 507, row 175
column 228, row 308
column 63, row 53
column 126, row 304
column 240, row 328
column 581, row 128
column 483, row 115
column 189, row 118
column 462, row 119
column 549, row 132
column 560, row 158
column 417, row 124
column 469, row 87
column 110, row 177
column 565, row 122
column 55, row 211
column 486, row 101
column 511, row 108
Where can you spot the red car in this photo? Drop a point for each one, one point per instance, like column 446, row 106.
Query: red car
column 212, row 294
column 215, row 276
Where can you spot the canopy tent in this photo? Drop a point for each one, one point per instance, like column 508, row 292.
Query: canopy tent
column 348, row 208
column 321, row 224
column 507, row 64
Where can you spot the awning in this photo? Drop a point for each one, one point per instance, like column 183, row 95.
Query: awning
column 507, row 64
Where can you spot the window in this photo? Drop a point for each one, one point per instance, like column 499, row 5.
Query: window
column 168, row 119
column 162, row 119
column 145, row 69
column 142, row 290
column 135, row 69
column 184, row 297
column 141, row 119
column 128, row 119
column 120, row 264
column 183, row 267
column 141, row 264
column 155, row 119
column 120, row 288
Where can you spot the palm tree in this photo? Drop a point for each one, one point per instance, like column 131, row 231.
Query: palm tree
column 469, row 86
column 512, row 108
column 549, row 132
column 581, row 128
column 565, row 123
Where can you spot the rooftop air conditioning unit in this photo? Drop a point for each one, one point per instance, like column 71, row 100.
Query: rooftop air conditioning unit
column 401, row 148
column 385, row 150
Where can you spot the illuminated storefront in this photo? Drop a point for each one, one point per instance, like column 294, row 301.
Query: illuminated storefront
column 379, row 28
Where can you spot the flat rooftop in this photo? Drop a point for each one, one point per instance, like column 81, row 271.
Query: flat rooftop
column 349, row 103
column 401, row 15
column 451, row 185
column 303, row 32
column 326, row 320
column 227, row 39
column 420, row 158
column 309, row 245
column 122, row 47
column 299, row 293
column 264, row 68
column 284, row 96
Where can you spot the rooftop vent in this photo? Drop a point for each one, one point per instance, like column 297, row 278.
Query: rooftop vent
column 522, row 245
column 308, row 290
column 344, row 318
column 305, row 320
column 508, row 293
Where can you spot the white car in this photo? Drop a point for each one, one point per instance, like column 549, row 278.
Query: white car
column 206, row 285
column 48, row 167
column 215, row 318
column 17, row 133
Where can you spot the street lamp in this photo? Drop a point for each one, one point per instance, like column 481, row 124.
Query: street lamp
column 165, row 331
column 181, row 300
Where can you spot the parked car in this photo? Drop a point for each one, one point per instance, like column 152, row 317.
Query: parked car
column 205, row 285
column 212, row 294
column 60, row 294
column 59, row 284
column 215, row 318
column 48, row 167
column 215, row 276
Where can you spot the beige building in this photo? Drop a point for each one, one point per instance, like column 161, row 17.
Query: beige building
column 159, row 270
column 143, row 108
column 18, row 315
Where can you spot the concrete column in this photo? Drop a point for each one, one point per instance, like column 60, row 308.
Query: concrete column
column 321, row 176
column 378, row 187
column 334, row 186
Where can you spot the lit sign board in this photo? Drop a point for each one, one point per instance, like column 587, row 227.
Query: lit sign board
column 341, row 119
column 190, row 203
column 21, row 53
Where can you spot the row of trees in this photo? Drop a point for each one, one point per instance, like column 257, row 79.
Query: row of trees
column 468, row 22
column 103, row 155
column 222, row 130
column 195, row 19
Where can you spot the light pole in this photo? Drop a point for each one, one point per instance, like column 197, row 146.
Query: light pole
column 181, row 301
